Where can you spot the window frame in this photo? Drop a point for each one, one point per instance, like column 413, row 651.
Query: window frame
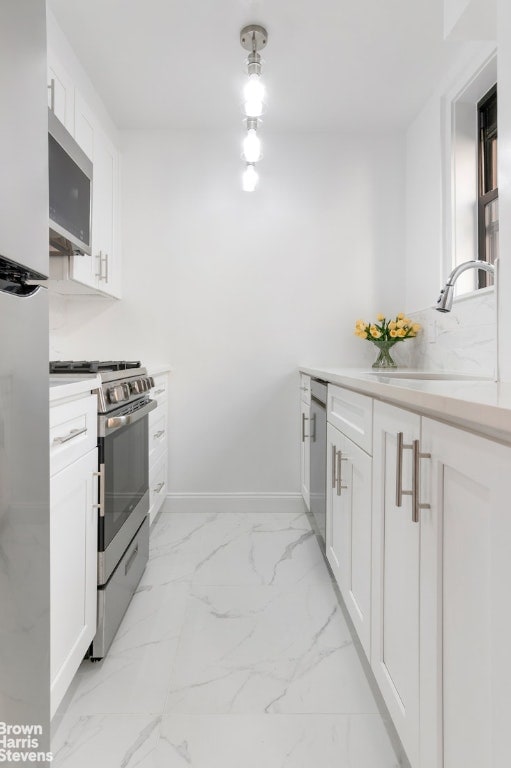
column 487, row 175
column 459, row 102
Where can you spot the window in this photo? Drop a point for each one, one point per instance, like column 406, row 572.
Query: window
column 470, row 171
column 488, row 202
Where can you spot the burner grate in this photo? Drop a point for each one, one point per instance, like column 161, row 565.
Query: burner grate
column 91, row 366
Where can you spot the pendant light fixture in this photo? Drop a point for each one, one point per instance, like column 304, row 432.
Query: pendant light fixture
column 253, row 38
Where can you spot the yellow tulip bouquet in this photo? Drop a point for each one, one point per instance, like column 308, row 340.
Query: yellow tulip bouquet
column 384, row 334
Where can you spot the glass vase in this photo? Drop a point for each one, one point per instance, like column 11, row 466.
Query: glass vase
column 384, row 359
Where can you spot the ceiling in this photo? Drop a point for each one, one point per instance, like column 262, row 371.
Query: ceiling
column 329, row 64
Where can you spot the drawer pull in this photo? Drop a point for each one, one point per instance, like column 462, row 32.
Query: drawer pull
column 159, row 391
column 74, row 433
column 159, row 434
column 159, row 487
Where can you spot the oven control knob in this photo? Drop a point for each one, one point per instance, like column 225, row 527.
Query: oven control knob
column 151, row 382
column 134, row 386
column 116, row 394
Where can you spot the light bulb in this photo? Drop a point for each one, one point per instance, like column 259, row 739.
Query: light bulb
column 252, row 146
column 250, row 179
column 253, row 95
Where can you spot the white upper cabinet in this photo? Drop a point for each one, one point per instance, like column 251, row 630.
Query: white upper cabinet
column 84, row 126
column 99, row 272
column 105, row 215
column 61, row 92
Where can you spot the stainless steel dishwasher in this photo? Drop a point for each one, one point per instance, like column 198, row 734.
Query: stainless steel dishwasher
column 318, row 457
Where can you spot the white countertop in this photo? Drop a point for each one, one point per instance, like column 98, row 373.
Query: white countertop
column 482, row 406
column 62, row 386
column 154, row 370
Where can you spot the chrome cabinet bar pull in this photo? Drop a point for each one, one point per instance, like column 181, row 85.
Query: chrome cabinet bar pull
column 51, row 88
column 416, row 504
column 103, row 259
column 399, row 470
column 304, row 419
column 100, row 506
column 74, row 433
column 334, row 455
column 340, row 486
column 159, row 487
column 107, row 263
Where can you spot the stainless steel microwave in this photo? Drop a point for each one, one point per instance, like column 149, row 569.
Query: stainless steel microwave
column 70, row 188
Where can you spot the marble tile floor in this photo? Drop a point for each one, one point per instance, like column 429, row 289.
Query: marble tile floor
column 235, row 651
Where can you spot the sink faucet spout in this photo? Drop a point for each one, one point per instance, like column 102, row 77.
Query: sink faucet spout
column 444, row 301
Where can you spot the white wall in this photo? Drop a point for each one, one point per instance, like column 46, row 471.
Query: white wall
column 236, row 290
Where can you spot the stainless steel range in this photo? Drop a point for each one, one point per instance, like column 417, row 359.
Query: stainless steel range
column 123, row 526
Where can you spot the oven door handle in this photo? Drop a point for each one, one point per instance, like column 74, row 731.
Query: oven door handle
column 109, row 424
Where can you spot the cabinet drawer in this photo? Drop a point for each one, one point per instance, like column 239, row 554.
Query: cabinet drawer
column 157, row 436
column 160, row 389
column 157, row 486
column 305, row 388
column 352, row 414
column 73, row 431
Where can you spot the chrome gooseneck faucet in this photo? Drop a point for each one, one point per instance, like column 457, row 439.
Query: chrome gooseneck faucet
column 444, row 301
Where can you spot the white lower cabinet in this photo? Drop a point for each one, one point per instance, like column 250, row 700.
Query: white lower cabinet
column 158, row 446
column 465, row 545
column 348, row 527
column 73, row 537
column 439, row 589
column 305, row 456
column 396, row 569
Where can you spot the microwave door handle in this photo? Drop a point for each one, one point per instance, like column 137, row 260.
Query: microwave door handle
column 51, row 89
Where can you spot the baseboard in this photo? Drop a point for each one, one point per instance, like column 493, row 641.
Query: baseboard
column 234, row 502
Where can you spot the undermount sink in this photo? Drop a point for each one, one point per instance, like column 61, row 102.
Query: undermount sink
column 430, row 375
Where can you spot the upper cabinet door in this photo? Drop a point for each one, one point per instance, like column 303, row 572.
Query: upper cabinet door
column 84, row 126
column 24, row 135
column 61, row 92
column 105, row 206
column 101, row 270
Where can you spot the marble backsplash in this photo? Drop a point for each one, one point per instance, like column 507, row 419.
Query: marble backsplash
column 464, row 339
